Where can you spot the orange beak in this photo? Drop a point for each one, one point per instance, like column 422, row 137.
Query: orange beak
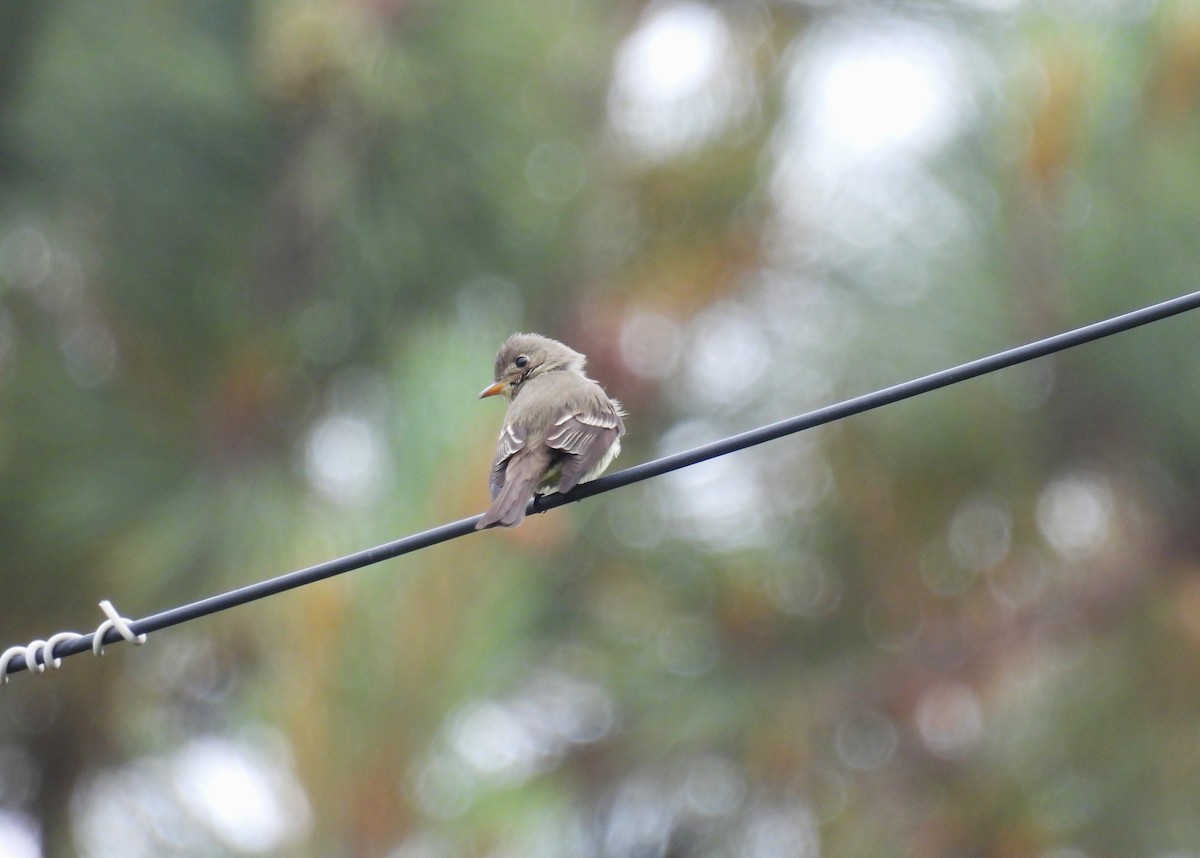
column 494, row 389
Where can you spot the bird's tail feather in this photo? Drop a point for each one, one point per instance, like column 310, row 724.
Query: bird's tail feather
column 520, row 480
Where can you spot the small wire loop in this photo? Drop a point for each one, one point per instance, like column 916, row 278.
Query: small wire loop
column 114, row 621
column 48, row 656
column 31, row 656
column 8, row 655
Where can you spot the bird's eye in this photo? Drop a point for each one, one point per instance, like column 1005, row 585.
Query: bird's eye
column 521, row 361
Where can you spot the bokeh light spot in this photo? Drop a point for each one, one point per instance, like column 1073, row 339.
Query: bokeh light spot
column 713, row 786
column 673, row 85
column 251, row 802
column 808, row 589
column 980, row 533
column 344, row 458
column 868, row 91
column 949, row 718
column 1074, row 514
column 651, row 344
column 727, row 357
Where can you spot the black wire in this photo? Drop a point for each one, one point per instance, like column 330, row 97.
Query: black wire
column 644, row 471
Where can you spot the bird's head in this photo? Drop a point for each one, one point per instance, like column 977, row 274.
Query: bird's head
column 526, row 356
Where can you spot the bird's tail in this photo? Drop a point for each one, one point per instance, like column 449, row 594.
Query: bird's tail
column 521, row 479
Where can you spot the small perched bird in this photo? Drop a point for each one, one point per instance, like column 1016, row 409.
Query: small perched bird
column 561, row 429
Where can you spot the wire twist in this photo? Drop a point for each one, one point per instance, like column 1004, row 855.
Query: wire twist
column 44, row 649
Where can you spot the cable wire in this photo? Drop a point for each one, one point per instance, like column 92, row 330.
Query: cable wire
column 628, row 476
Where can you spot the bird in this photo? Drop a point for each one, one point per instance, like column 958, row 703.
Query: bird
column 560, row 429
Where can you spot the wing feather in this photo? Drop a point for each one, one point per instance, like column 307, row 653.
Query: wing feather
column 585, row 436
column 512, row 441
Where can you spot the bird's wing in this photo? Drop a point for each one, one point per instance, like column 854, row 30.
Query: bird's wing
column 585, row 436
column 512, row 439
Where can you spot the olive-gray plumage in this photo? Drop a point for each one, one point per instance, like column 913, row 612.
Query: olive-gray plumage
column 561, row 428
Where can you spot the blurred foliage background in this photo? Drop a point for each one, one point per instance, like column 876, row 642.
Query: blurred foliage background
column 255, row 259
